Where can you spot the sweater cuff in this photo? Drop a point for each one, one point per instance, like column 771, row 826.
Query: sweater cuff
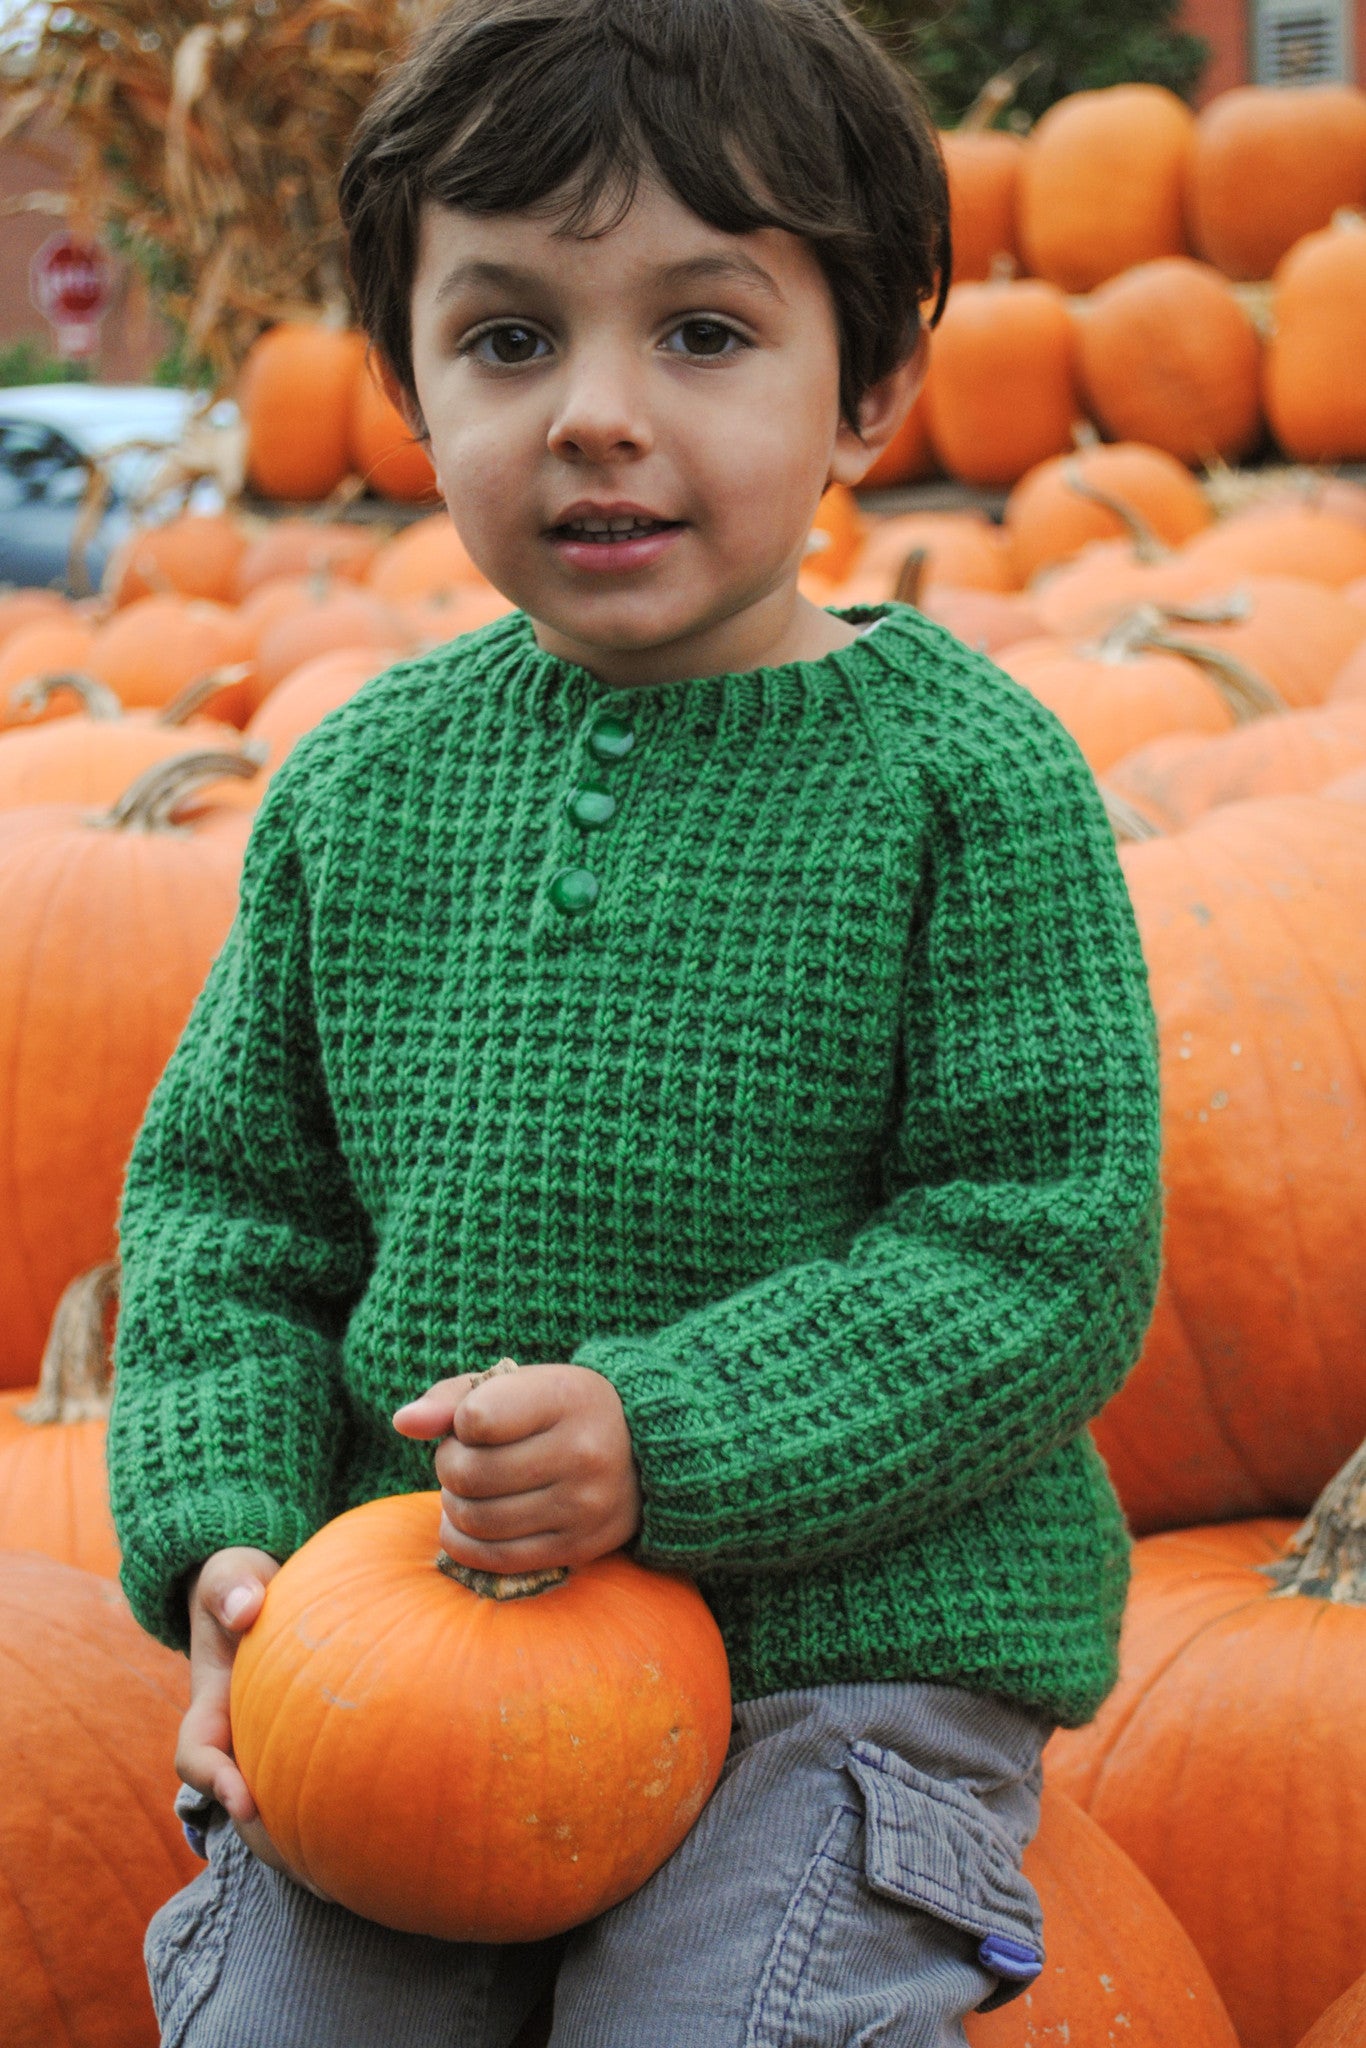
column 174, row 1543
column 677, row 1531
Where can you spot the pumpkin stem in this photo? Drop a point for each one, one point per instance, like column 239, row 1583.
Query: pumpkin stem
column 910, row 577
column 150, row 803
column 501, row 1585
column 1325, row 1559
column 1247, row 694
column 75, row 1379
column 197, row 693
column 1127, row 822
column 997, row 94
column 97, row 700
column 1146, row 545
column 1143, row 629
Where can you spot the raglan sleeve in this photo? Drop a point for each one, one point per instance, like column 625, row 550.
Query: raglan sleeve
column 244, row 1249
column 993, row 1303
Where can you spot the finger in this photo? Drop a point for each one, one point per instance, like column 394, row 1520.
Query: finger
column 432, row 1413
column 511, row 1407
column 204, row 1760
column 499, row 1521
column 485, row 1471
column 521, row 1554
column 230, row 1589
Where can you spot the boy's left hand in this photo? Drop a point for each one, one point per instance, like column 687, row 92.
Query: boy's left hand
column 535, row 1466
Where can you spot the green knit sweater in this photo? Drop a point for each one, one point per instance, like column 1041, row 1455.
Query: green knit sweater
column 776, row 1044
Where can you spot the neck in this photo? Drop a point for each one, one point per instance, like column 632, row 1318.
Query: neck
column 782, row 627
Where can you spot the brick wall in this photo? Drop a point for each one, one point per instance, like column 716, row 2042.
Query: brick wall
column 132, row 338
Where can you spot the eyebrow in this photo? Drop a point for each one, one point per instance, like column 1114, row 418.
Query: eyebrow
column 737, row 269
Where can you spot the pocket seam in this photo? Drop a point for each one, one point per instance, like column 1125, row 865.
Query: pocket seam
column 811, row 1901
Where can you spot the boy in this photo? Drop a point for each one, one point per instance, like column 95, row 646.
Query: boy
column 729, row 1009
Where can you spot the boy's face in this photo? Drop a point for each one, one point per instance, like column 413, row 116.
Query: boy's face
column 668, row 383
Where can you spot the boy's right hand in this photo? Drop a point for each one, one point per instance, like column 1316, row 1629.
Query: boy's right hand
column 225, row 1598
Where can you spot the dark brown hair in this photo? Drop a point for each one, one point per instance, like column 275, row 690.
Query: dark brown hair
column 756, row 113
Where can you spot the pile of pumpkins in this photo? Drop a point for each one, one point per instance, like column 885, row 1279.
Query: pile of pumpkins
column 1182, row 280
column 1188, row 281
column 1202, row 1855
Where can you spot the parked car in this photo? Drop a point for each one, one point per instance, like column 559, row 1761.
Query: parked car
column 49, row 434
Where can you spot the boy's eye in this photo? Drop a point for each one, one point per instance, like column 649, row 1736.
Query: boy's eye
column 509, row 344
column 705, row 337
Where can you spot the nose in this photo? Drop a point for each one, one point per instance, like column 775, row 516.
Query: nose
column 602, row 413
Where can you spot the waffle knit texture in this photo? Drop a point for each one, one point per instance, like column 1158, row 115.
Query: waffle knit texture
column 828, row 1133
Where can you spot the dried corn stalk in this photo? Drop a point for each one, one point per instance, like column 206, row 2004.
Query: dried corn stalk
column 211, row 134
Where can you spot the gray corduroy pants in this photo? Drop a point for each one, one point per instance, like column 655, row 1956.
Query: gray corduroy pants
column 854, row 1882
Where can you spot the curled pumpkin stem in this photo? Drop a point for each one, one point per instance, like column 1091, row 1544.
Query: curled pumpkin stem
column 1146, row 544
column 197, row 693
column 150, row 803
column 97, row 700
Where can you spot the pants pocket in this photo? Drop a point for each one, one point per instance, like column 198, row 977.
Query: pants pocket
column 934, row 1846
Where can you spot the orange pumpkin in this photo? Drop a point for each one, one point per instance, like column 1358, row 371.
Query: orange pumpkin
column 93, row 758
column 1119, row 1966
column 195, row 555
column 384, row 450
column 44, row 647
column 1002, row 391
column 339, row 615
column 19, row 608
column 306, row 547
column 984, row 619
column 983, row 167
column 92, row 1001
column 1315, row 399
column 1175, row 780
column 1230, row 1761
column 837, row 535
column 295, row 395
column 296, row 705
column 1250, row 1392
column 961, row 548
column 1125, row 689
column 1167, row 355
column 1344, row 2023
column 907, row 457
column 1098, row 493
column 150, row 649
column 1276, row 540
column 1269, row 165
column 1102, row 184
column 1297, row 634
column 54, row 1496
column 89, row 1845
column 593, row 1717
column 427, row 559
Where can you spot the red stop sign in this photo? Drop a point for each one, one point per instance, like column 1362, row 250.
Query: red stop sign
column 69, row 279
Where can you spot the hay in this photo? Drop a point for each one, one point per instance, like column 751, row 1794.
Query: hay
column 210, row 134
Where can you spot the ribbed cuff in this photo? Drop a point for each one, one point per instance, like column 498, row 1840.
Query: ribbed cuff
column 162, row 1548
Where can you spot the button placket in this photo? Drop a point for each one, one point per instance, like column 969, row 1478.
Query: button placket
column 591, row 806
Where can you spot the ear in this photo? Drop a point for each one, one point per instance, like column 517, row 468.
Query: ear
column 882, row 409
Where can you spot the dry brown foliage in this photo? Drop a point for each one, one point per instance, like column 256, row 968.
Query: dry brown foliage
column 211, row 134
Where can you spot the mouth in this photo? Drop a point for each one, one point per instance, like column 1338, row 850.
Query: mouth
column 597, row 530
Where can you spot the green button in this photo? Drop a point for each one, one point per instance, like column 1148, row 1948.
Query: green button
column 610, row 738
column 574, row 890
column 591, row 808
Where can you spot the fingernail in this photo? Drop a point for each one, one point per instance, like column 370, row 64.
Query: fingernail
column 235, row 1601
